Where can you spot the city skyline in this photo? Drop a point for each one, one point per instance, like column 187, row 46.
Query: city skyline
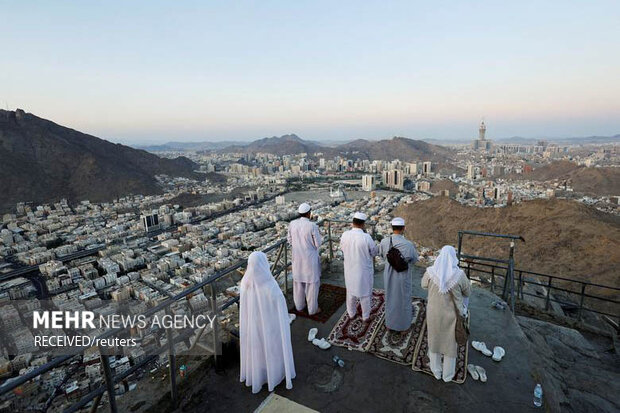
column 194, row 72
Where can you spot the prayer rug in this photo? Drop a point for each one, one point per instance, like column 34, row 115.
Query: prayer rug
column 421, row 361
column 400, row 346
column 331, row 297
column 353, row 333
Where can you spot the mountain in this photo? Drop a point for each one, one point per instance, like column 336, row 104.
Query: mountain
column 396, row 148
column 566, row 141
column 187, row 146
column 404, row 149
column 587, row 180
column 562, row 237
column 283, row 145
column 41, row 161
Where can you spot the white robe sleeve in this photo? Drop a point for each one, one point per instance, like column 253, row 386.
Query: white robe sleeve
column 317, row 236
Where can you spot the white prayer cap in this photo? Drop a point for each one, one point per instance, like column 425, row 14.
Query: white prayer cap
column 398, row 222
column 360, row 215
column 303, row 208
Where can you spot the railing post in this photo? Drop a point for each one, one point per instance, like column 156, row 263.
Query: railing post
column 286, row 270
column 172, row 363
column 109, row 380
column 548, row 300
column 493, row 279
column 329, row 233
column 216, row 323
column 583, row 292
column 520, row 289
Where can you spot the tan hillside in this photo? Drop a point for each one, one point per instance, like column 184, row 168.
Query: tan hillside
column 563, row 238
column 593, row 181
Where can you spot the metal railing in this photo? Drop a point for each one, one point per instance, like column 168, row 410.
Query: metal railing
column 580, row 295
column 280, row 265
column 508, row 292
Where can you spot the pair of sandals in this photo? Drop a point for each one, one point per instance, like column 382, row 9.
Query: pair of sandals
column 320, row 343
column 477, row 372
column 497, row 354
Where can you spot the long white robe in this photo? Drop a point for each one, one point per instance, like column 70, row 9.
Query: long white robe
column 264, row 330
column 358, row 249
column 305, row 240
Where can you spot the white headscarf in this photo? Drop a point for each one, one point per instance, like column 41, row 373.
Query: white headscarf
column 445, row 272
column 264, row 331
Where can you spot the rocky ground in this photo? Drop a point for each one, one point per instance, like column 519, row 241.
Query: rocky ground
column 579, row 373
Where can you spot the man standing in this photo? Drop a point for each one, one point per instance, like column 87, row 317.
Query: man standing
column 304, row 237
column 358, row 249
column 397, row 283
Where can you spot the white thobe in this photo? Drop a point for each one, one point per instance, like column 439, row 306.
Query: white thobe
column 305, row 240
column 358, row 249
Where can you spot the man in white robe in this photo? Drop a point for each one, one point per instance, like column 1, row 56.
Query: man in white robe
column 264, row 330
column 359, row 251
column 397, row 285
column 305, row 240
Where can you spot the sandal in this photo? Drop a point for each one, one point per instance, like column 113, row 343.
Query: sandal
column 472, row 371
column 481, row 347
column 498, row 353
column 322, row 343
column 482, row 373
column 312, row 333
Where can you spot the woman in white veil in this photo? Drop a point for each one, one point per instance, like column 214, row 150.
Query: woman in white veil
column 264, row 330
column 444, row 280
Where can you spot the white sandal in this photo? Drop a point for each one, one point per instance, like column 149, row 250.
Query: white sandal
column 481, row 347
column 291, row 318
column 322, row 343
column 482, row 373
column 472, row 371
column 312, row 333
column 498, row 353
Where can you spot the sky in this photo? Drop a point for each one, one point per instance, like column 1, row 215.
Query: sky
column 156, row 71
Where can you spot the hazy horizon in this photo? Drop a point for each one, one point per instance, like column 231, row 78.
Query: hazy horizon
column 153, row 72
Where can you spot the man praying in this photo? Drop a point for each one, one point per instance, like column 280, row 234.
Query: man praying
column 397, row 283
column 359, row 250
column 305, row 240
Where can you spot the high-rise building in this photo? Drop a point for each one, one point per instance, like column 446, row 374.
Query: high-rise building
column 394, row 178
column 412, row 168
column 481, row 144
column 150, row 221
column 427, row 168
column 471, row 172
column 369, row 183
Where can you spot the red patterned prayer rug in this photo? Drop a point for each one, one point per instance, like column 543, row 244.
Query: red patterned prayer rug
column 331, row 297
column 400, row 346
column 421, row 361
column 353, row 333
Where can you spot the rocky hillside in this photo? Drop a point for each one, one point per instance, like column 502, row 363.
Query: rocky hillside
column 593, row 181
column 563, row 238
column 41, row 161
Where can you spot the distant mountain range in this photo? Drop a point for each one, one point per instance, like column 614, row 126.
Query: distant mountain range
column 569, row 141
column 41, row 161
column 215, row 146
column 388, row 149
column 187, row 146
